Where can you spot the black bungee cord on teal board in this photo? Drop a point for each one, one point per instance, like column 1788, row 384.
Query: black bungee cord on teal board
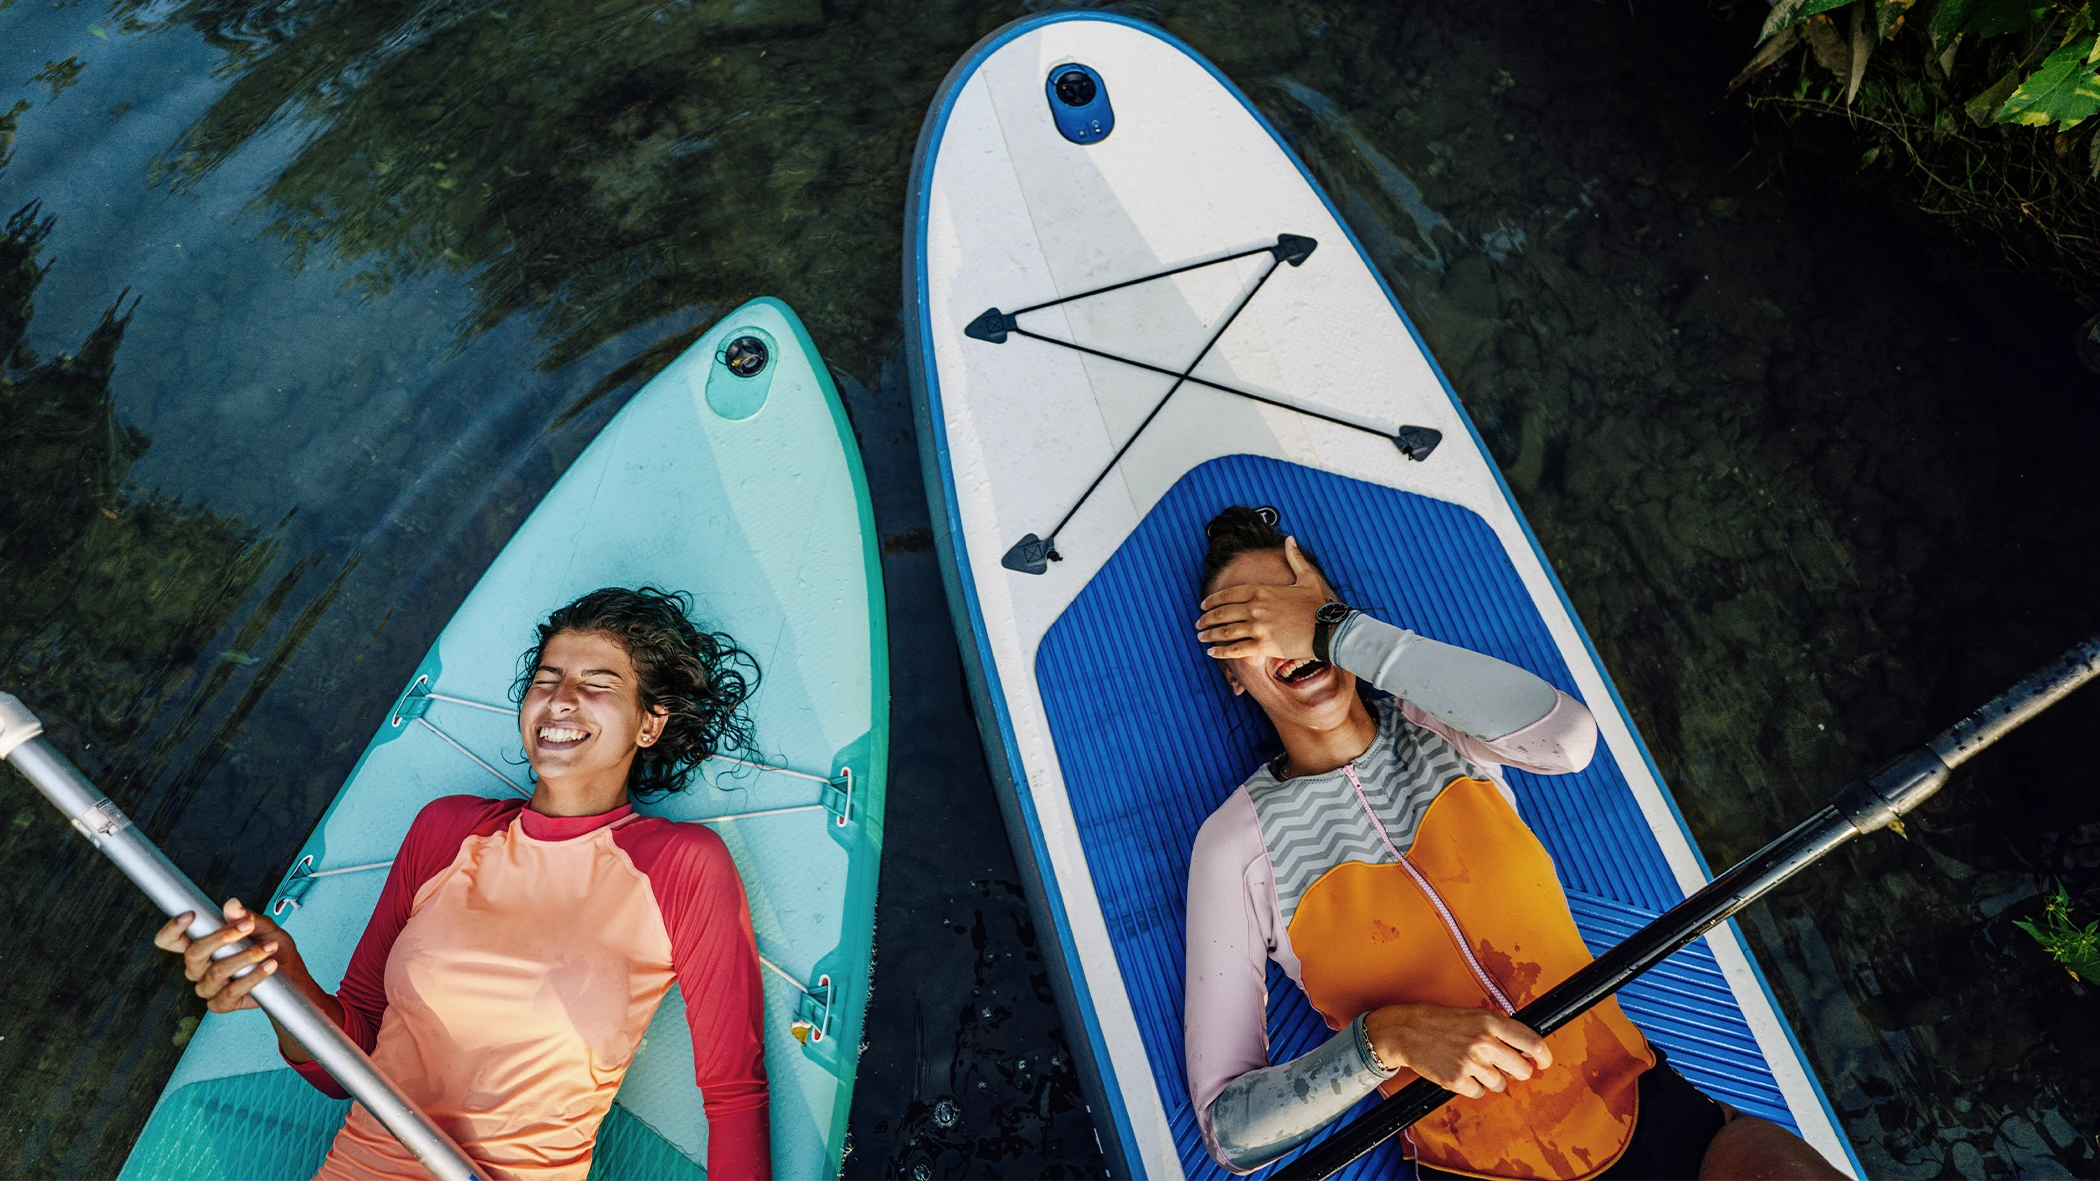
column 1033, row 554
column 1874, row 801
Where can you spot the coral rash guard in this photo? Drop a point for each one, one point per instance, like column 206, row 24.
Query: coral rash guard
column 511, row 968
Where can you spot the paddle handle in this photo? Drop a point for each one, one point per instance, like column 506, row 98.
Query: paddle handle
column 2009, row 710
column 1874, row 801
column 98, row 819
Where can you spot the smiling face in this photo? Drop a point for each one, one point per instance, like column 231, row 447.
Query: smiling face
column 1296, row 694
column 582, row 718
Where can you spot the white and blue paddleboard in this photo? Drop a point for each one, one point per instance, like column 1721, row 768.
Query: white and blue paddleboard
column 732, row 475
column 1132, row 307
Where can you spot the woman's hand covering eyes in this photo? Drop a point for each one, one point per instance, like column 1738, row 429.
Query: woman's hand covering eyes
column 1260, row 620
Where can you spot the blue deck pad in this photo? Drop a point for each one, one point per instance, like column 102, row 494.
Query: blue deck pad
column 1151, row 742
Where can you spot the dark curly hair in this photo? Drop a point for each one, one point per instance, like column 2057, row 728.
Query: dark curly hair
column 1238, row 530
column 701, row 678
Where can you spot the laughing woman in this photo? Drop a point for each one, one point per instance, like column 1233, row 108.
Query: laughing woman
column 520, row 947
column 1381, row 862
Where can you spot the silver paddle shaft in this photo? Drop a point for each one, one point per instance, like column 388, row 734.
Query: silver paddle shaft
column 109, row 830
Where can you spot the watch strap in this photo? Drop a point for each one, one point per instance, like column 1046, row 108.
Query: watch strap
column 1325, row 623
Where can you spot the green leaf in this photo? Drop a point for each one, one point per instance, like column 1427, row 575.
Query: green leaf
column 1984, row 105
column 1947, row 22
column 1888, row 16
column 1788, row 13
column 1985, row 18
column 2065, row 90
column 1829, row 46
column 1767, row 55
column 1990, row 18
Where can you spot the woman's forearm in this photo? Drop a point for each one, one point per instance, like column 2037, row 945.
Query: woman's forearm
column 1473, row 693
column 295, row 973
column 1265, row 1113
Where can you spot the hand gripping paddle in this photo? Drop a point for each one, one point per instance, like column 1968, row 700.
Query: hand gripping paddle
column 1875, row 801
column 98, row 819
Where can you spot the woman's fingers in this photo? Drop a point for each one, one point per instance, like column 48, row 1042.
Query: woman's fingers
column 174, row 934
column 196, row 958
column 235, row 994
column 1232, row 594
column 1227, row 631
column 1234, row 650
column 215, row 979
column 222, row 970
column 1495, row 1055
column 1252, row 608
column 1466, row 1084
column 1522, row 1038
column 1469, row 1052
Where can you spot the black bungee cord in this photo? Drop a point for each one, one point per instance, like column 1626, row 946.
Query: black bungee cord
column 1033, row 554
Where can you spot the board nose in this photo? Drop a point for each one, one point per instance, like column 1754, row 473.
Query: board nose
column 741, row 373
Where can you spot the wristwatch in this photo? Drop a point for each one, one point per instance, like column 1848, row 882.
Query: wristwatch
column 1325, row 621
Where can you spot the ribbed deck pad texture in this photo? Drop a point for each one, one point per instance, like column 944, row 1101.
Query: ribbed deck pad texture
column 1150, row 742
column 627, row 1147
column 274, row 1126
column 269, row 1126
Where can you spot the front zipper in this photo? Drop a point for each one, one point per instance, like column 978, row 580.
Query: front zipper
column 1436, row 901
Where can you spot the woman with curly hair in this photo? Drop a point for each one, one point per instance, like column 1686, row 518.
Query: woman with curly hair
column 520, row 947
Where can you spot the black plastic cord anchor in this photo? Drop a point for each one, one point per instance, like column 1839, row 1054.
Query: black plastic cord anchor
column 1033, row 554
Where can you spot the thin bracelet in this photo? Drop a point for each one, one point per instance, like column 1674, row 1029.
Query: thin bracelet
column 1363, row 1042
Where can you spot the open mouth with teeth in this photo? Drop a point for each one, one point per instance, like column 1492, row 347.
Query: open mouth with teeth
column 1296, row 672
column 560, row 737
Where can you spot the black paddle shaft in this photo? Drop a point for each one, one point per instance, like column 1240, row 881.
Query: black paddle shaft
column 1861, row 806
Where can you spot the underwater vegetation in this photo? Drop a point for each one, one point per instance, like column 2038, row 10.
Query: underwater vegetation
column 120, row 586
column 1974, row 111
column 113, row 596
column 597, row 166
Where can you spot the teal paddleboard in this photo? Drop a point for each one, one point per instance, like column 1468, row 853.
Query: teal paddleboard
column 746, row 491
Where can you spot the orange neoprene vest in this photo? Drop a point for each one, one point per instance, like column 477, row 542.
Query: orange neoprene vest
column 1371, row 935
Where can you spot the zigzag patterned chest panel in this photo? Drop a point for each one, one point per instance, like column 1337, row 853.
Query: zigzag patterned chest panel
column 1315, row 822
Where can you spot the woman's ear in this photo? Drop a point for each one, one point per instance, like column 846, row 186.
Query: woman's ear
column 1232, row 678
column 653, row 723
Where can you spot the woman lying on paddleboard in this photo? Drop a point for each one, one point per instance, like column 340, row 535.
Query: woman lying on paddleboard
column 520, row 948
column 1417, row 960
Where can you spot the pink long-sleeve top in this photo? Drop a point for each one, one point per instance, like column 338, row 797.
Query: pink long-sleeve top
column 512, row 966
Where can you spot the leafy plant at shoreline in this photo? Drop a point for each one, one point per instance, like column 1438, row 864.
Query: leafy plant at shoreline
column 1979, row 112
column 2076, row 948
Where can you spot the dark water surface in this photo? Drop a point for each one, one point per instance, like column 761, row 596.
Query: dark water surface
column 307, row 302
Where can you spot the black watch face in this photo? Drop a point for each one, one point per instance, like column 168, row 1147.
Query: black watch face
column 1332, row 612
